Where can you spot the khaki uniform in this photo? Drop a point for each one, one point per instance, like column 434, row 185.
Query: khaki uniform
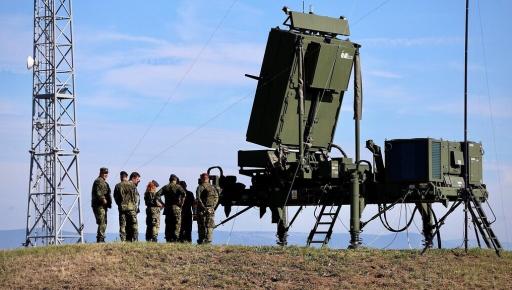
column 207, row 198
column 174, row 196
column 101, row 200
column 127, row 197
column 153, row 203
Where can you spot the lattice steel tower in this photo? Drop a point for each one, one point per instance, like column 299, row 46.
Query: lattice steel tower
column 54, row 214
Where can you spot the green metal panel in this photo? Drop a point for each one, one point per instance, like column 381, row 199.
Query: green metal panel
column 328, row 64
column 319, row 23
column 457, row 158
column 272, row 88
column 435, row 164
column 455, row 152
column 475, row 170
column 475, row 163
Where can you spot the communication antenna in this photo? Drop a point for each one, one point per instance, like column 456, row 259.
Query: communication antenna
column 54, row 210
column 466, row 151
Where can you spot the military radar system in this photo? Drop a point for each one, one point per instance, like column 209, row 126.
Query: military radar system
column 304, row 76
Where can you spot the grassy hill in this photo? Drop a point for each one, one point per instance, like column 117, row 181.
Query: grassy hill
column 144, row 265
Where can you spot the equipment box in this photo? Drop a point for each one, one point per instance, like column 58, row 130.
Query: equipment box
column 425, row 160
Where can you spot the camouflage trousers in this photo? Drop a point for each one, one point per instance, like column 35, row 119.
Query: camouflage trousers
column 172, row 223
column 282, row 227
column 152, row 223
column 205, row 225
column 100, row 213
column 128, row 227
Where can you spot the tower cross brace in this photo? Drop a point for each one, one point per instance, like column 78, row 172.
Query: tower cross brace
column 54, row 213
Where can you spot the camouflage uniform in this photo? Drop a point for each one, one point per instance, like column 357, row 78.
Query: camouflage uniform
column 153, row 203
column 174, row 196
column 186, row 218
column 279, row 216
column 126, row 196
column 101, row 201
column 207, row 198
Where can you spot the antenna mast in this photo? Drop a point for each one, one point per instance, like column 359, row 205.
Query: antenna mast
column 54, row 213
column 466, row 151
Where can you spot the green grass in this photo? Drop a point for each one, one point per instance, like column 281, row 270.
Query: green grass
column 148, row 265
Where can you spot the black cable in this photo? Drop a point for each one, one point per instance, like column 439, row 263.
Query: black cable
column 370, row 12
column 438, row 232
column 386, row 224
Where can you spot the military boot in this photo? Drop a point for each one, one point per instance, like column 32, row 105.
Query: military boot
column 282, row 239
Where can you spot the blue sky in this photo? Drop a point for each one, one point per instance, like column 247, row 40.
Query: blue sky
column 187, row 59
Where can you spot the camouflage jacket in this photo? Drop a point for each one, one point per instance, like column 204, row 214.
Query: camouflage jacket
column 101, row 193
column 174, row 194
column 152, row 199
column 126, row 196
column 206, row 196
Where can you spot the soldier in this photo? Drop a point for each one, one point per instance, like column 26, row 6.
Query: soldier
column 174, row 196
column 153, row 206
column 101, row 201
column 118, row 198
column 207, row 198
column 187, row 211
column 279, row 215
column 129, row 206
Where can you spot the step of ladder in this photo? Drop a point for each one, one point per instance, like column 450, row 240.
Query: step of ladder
column 482, row 223
column 326, row 217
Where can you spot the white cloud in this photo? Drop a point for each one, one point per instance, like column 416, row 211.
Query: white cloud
column 105, row 100
column 155, row 66
column 383, row 74
column 163, row 52
column 160, row 80
column 410, row 41
column 111, row 36
column 501, row 107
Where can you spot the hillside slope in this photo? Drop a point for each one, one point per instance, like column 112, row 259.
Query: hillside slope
column 144, row 265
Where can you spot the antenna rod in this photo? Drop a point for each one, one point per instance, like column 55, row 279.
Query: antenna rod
column 466, row 151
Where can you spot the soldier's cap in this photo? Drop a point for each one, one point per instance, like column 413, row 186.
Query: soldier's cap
column 155, row 183
column 103, row 170
column 123, row 174
column 183, row 183
column 173, row 177
column 203, row 175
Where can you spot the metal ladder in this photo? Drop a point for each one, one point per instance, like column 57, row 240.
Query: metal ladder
column 482, row 223
column 322, row 231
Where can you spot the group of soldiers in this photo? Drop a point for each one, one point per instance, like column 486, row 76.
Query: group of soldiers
column 179, row 206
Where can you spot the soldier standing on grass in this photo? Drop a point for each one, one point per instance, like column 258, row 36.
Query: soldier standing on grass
column 129, row 200
column 186, row 215
column 207, row 198
column 101, row 201
column 118, row 198
column 153, row 206
column 174, row 196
